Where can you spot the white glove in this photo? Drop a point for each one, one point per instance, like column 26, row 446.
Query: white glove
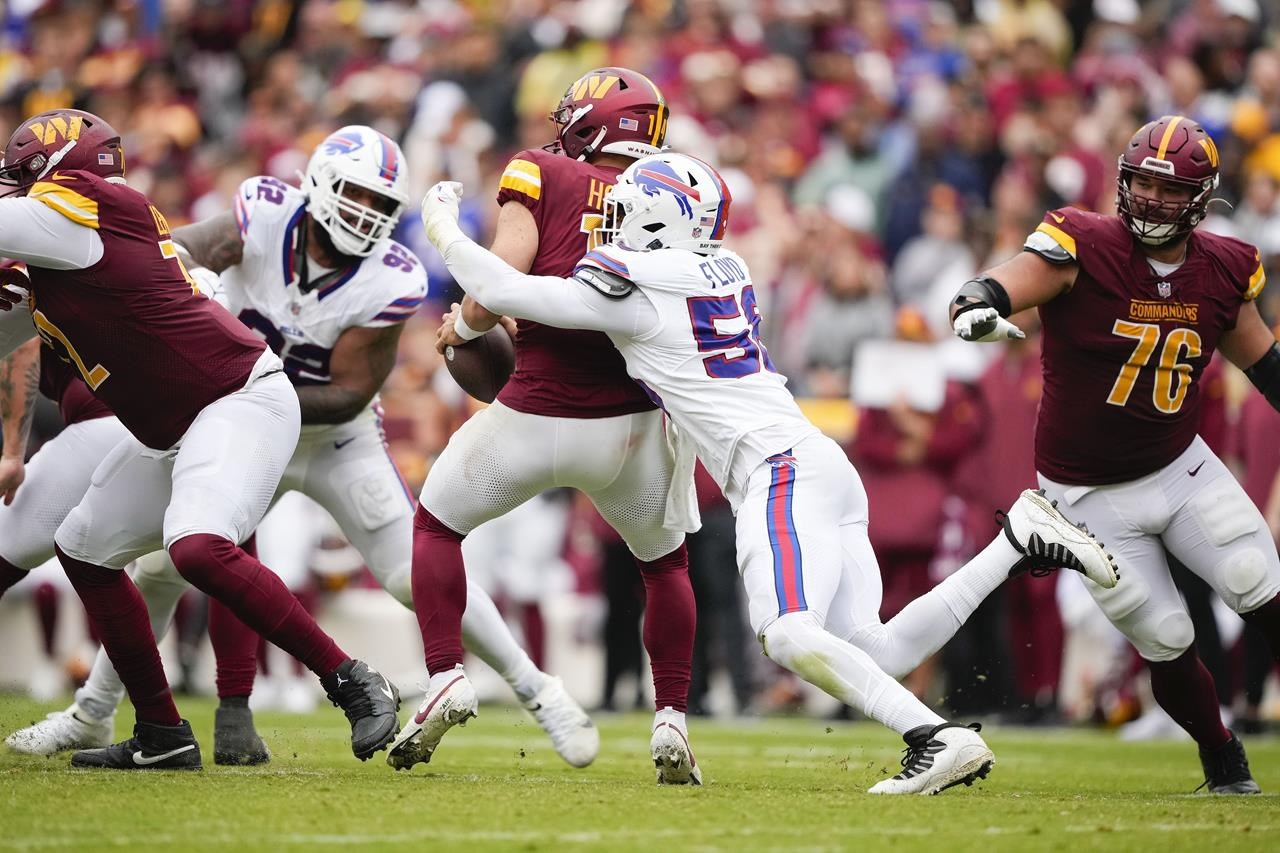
column 209, row 283
column 984, row 325
column 440, row 213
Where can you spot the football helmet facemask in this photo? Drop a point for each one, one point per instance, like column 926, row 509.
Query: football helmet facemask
column 356, row 156
column 667, row 201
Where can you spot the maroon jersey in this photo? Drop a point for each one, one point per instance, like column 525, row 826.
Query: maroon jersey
column 61, row 383
column 141, row 338
column 564, row 373
column 1124, row 349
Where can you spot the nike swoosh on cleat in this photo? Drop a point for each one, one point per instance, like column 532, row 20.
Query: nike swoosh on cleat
column 421, row 716
column 144, row 760
column 338, row 445
column 1195, row 470
column 386, row 689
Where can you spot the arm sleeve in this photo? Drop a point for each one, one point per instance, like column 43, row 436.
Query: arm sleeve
column 563, row 302
column 40, row 235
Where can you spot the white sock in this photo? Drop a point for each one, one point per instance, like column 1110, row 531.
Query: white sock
column 926, row 624
column 160, row 586
column 440, row 679
column 487, row 636
column 797, row 642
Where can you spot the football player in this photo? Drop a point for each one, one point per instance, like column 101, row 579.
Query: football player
column 1133, row 306
column 315, row 272
column 569, row 416
column 683, row 313
column 213, row 421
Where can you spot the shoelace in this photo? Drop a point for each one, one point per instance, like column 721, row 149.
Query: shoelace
column 918, row 758
column 354, row 700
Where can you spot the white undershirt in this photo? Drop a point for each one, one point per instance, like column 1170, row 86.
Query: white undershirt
column 35, row 233
column 1165, row 270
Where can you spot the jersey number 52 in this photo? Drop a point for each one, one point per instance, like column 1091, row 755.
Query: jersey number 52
column 734, row 353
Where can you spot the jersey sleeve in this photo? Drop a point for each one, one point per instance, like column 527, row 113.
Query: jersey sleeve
column 253, row 195
column 404, row 284
column 1257, row 276
column 1054, row 239
column 69, row 194
column 521, row 181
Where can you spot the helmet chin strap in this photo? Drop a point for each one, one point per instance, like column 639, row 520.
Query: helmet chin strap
column 56, row 158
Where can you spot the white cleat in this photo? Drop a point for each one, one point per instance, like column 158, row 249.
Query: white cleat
column 1048, row 540
column 938, row 757
column 572, row 733
column 672, row 755
column 61, row 731
column 450, row 701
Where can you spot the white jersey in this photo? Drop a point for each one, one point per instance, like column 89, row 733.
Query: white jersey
column 689, row 332
column 704, row 362
column 383, row 289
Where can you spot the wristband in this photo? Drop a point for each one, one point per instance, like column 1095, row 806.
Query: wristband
column 462, row 330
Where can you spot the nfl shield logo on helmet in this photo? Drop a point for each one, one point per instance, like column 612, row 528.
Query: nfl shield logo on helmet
column 1164, row 289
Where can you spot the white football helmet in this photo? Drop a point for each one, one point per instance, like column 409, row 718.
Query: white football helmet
column 356, row 156
column 667, row 201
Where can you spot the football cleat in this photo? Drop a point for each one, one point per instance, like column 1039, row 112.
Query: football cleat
column 450, row 701
column 1226, row 769
column 938, row 757
column 60, row 731
column 370, row 702
column 235, row 740
column 1048, row 541
column 572, row 733
column 152, row 747
column 672, row 755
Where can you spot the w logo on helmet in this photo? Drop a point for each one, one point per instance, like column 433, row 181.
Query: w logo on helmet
column 593, row 86
column 55, row 128
column 342, row 143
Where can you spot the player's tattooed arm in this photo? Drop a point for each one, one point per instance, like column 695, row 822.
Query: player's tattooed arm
column 361, row 361
column 19, row 385
column 214, row 242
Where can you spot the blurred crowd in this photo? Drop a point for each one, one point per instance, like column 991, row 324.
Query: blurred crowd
column 879, row 152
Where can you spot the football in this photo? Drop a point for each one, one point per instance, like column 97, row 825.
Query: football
column 482, row 366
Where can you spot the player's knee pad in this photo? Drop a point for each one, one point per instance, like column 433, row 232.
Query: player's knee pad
column 75, row 537
column 1225, row 512
column 787, row 639
column 1246, row 579
column 1161, row 636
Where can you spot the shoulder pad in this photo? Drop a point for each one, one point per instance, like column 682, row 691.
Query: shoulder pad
column 523, row 176
column 1047, row 247
column 70, row 194
column 610, row 284
column 1257, row 277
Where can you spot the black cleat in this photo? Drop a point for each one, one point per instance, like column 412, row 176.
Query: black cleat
column 1226, row 769
column 235, row 741
column 152, row 747
column 370, row 702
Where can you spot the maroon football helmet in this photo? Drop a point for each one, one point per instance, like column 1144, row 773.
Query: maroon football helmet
column 59, row 139
column 610, row 111
column 1175, row 150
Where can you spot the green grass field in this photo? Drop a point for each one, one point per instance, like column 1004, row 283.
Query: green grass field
column 793, row 784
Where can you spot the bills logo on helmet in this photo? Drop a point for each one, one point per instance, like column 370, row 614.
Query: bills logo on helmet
column 661, row 178
column 342, row 143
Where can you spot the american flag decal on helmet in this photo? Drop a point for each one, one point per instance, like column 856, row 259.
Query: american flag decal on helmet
column 105, row 159
column 628, row 124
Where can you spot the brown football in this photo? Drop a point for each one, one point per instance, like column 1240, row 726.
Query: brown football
column 482, row 366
